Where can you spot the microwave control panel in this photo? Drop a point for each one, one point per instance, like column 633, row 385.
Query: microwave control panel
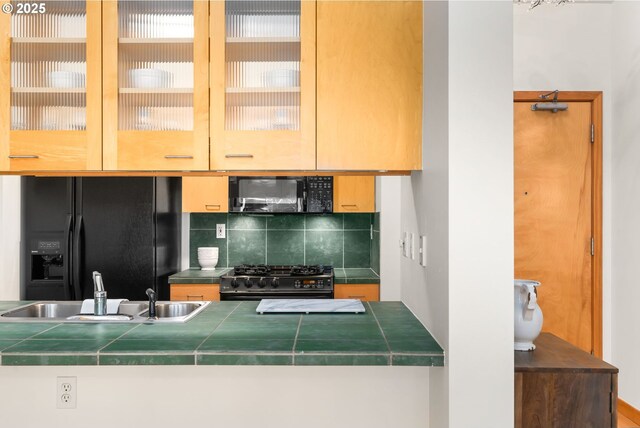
column 319, row 194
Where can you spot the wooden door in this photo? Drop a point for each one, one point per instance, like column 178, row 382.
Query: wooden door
column 554, row 217
column 263, row 87
column 354, row 194
column 369, row 74
column 50, row 87
column 205, row 194
column 155, row 82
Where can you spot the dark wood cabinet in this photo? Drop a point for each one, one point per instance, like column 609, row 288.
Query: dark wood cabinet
column 560, row 386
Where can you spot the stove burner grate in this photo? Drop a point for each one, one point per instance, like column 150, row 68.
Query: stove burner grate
column 307, row 270
column 251, row 270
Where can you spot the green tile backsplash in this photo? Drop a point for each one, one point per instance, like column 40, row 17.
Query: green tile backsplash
column 343, row 240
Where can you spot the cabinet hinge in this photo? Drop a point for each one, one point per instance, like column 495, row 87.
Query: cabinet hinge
column 593, row 133
column 593, row 246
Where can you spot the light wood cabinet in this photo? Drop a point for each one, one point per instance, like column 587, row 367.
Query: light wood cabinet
column 205, row 194
column 212, row 85
column 50, row 94
column 364, row 292
column 369, row 85
column 354, row 194
column 263, row 85
column 155, row 85
column 195, row 292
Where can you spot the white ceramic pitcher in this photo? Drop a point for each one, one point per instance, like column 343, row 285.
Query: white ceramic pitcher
column 527, row 314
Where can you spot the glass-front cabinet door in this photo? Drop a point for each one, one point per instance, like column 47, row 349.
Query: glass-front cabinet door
column 262, row 84
column 50, row 73
column 155, row 85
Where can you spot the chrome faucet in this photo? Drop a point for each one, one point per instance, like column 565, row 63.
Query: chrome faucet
column 99, row 295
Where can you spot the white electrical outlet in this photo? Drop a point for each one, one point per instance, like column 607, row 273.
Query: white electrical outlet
column 66, row 392
column 220, row 231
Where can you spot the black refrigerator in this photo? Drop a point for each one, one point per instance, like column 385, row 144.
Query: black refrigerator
column 126, row 228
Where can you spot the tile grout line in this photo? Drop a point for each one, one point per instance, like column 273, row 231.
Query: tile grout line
column 100, row 349
column 383, row 335
column 195, row 351
column 266, row 241
column 295, row 341
column 19, row 341
column 292, row 229
column 226, row 236
column 342, row 241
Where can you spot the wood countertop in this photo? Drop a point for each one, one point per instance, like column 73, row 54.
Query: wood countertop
column 553, row 354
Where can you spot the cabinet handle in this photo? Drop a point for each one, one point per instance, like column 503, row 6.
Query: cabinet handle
column 349, row 205
column 239, row 155
column 357, row 297
column 213, row 207
column 24, row 157
column 200, row 297
column 178, row 157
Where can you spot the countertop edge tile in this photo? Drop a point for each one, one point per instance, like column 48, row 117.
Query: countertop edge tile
column 147, row 359
column 198, row 276
column 244, row 359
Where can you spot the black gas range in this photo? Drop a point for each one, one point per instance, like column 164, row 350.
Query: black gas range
column 256, row 282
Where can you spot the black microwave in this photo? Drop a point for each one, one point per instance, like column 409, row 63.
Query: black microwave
column 281, row 194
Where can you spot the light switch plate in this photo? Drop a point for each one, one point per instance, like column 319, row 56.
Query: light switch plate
column 412, row 246
column 405, row 245
column 423, row 251
column 220, row 231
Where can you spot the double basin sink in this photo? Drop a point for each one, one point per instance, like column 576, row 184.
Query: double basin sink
column 128, row 312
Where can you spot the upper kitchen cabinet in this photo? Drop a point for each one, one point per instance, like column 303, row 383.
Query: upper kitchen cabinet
column 155, row 85
column 205, row 194
column 50, row 99
column 369, row 87
column 263, row 91
column 354, row 194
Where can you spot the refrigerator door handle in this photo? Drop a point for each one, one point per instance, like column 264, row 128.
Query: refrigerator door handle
column 77, row 252
column 68, row 280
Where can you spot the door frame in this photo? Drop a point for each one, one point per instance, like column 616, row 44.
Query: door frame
column 595, row 98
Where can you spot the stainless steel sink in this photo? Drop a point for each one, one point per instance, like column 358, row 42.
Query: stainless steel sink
column 173, row 311
column 69, row 311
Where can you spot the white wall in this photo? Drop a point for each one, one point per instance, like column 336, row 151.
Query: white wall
column 184, row 241
column 388, row 196
column 9, row 237
column 232, row 397
column 480, row 214
column 463, row 201
column 570, row 48
column 625, row 169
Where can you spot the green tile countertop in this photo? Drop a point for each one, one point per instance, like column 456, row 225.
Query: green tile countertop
column 356, row 276
column 197, row 276
column 230, row 333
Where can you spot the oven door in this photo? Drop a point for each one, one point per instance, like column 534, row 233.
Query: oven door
column 267, row 194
